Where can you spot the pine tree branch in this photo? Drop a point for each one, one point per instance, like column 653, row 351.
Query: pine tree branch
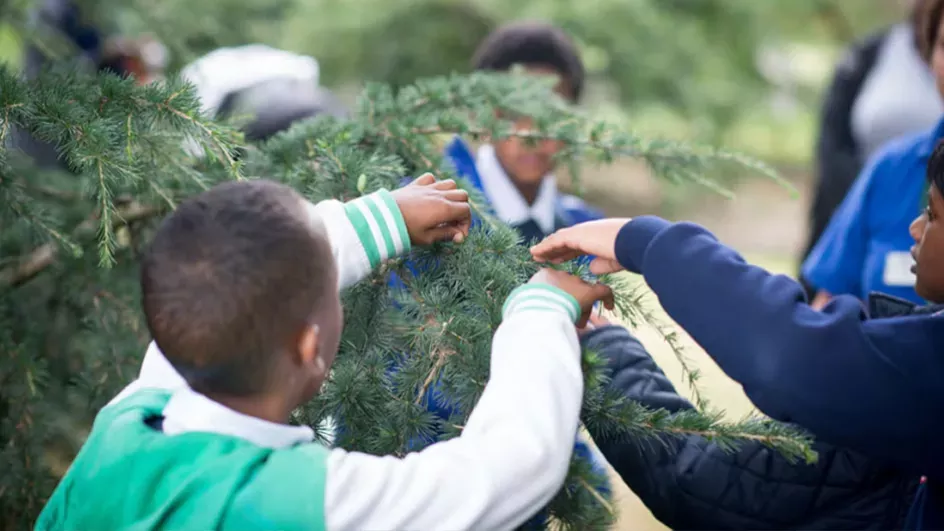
column 632, row 307
column 54, row 193
column 200, row 124
column 44, row 256
column 596, row 495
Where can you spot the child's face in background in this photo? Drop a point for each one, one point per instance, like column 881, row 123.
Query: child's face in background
column 928, row 251
column 526, row 164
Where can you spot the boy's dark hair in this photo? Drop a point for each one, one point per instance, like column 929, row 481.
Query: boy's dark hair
column 228, row 282
column 926, row 15
column 530, row 43
column 935, row 173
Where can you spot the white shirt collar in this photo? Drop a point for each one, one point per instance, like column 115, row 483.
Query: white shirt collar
column 189, row 411
column 506, row 200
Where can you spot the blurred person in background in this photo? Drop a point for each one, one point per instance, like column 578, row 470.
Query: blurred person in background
column 881, row 90
column 866, row 247
column 273, row 88
column 143, row 58
column 518, row 179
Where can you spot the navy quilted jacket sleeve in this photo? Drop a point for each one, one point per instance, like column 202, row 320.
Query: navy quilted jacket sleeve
column 690, row 483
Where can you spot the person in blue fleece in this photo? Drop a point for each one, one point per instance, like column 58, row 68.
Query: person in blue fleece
column 865, row 246
column 872, row 384
column 518, row 179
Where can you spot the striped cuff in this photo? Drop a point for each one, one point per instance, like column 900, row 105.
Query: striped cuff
column 543, row 298
column 379, row 226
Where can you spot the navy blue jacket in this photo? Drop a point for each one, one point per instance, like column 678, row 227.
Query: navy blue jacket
column 691, row 483
column 873, row 385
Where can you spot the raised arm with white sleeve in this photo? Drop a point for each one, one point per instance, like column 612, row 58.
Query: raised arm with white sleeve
column 508, row 462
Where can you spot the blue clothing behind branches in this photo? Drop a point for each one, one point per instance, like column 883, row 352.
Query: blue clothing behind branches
column 568, row 210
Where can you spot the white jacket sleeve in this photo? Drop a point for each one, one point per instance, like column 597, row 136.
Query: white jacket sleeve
column 362, row 232
column 513, row 454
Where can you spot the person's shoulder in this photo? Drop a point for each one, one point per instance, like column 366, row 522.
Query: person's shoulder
column 578, row 210
column 861, row 53
column 901, row 151
column 248, row 63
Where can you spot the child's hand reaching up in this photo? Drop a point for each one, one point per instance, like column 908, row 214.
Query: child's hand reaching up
column 596, row 238
column 585, row 293
column 434, row 211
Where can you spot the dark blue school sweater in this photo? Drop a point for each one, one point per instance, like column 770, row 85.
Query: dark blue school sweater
column 874, row 385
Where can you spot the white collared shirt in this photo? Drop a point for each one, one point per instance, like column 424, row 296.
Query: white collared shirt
column 189, row 411
column 507, row 202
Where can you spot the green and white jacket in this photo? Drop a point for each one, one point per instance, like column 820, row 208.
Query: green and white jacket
column 209, row 467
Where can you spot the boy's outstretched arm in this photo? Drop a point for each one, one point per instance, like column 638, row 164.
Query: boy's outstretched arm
column 366, row 231
column 362, row 233
column 870, row 385
column 509, row 461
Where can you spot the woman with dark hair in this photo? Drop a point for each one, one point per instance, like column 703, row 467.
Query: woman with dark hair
column 882, row 89
column 865, row 247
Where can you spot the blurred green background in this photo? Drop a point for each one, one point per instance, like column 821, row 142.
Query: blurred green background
column 744, row 73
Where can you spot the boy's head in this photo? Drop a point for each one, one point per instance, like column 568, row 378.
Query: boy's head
column 240, row 293
column 539, row 48
column 928, row 233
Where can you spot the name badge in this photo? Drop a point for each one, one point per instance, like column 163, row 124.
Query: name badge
column 898, row 270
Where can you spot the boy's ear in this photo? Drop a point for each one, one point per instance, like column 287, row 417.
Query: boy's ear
column 308, row 349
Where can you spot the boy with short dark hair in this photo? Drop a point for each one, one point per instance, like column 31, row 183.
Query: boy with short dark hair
column 517, row 178
column 240, row 289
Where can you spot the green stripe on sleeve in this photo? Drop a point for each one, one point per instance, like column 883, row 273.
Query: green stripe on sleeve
column 364, row 233
column 374, row 208
column 401, row 229
column 531, row 296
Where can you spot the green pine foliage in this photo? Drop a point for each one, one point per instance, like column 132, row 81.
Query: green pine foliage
column 72, row 330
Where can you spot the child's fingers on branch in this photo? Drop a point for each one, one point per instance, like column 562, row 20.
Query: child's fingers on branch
column 448, row 232
column 424, row 180
column 603, row 266
column 447, row 184
column 597, row 292
column 456, row 194
column 596, row 238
